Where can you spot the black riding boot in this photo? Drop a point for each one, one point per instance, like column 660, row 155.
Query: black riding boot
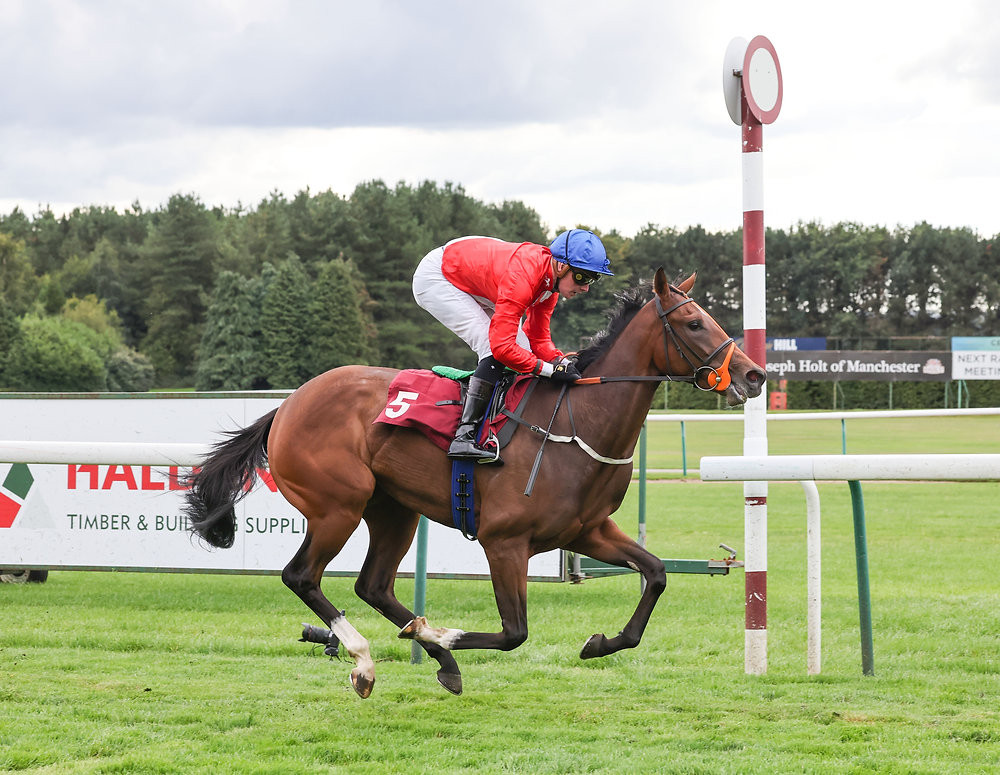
column 464, row 446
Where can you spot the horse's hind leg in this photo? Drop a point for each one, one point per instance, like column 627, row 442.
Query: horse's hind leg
column 391, row 528
column 324, row 539
column 608, row 543
column 509, row 571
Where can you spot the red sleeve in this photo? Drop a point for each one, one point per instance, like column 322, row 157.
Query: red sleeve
column 503, row 337
column 536, row 327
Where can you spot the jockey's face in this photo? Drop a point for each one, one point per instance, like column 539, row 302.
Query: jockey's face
column 572, row 283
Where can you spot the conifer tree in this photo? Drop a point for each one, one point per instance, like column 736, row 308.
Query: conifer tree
column 285, row 322
column 226, row 354
column 339, row 332
column 179, row 258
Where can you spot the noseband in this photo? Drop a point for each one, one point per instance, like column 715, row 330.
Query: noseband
column 717, row 379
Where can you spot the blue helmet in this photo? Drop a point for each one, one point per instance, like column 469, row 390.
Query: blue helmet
column 581, row 249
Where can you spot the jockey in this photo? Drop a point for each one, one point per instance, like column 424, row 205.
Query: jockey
column 481, row 288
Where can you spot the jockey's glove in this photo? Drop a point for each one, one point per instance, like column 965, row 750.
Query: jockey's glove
column 566, row 372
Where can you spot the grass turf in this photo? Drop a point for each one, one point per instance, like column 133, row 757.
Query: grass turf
column 160, row 673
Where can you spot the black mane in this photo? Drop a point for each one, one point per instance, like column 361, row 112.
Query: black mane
column 629, row 303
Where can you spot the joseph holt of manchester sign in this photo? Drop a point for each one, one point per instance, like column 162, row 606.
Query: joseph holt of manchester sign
column 878, row 365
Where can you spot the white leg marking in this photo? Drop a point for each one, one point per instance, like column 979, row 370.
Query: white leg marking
column 444, row 637
column 355, row 644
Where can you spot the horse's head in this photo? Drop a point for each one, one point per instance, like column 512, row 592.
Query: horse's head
column 696, row 346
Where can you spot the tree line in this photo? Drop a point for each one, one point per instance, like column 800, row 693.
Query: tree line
column 269, row 296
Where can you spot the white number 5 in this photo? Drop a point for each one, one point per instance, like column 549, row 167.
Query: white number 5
column 399, row 405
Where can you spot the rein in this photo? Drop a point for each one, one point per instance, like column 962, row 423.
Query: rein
column 541, row 448
column 717, row 380
column 548, row 435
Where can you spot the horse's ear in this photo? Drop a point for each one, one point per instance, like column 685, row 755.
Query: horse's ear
column 688, row 284
column 660, row 284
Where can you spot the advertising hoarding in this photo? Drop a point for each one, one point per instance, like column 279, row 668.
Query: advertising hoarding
column 874, row 365
column 129, row 517
column 975, row 357
column 796, row 343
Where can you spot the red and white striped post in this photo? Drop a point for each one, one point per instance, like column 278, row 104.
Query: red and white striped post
column 752, row 86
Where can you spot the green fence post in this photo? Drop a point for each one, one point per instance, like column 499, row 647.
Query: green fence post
column 684, row 458
column 864, row 590
column 642, row 498
column 642, row 486
column 420, row 586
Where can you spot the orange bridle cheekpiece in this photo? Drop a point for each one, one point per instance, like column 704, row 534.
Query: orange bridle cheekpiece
column 721, row 379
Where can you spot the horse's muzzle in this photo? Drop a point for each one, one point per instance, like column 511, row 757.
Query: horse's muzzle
column 746, row 383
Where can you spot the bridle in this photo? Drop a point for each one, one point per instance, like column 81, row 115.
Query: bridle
column 717, row 379
column 704, row 377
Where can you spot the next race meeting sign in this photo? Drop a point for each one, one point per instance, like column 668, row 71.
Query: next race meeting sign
column 975, row 357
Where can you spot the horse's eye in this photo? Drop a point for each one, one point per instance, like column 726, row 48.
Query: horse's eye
column 694, row 325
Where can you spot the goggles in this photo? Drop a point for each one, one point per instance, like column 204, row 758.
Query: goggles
column 581, row 277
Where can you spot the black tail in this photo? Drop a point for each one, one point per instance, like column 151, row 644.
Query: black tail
column 226, row 475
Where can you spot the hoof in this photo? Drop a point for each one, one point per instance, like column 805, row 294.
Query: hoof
column 596, row 646
column 450, row 681
column 362, row 684
column 412, row 627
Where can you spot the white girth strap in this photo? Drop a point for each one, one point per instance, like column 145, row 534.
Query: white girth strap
column 589, row 450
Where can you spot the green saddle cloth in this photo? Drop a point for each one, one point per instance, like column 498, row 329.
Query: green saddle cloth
column 450, row 372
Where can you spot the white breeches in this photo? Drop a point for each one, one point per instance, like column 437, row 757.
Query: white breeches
column 460, row 312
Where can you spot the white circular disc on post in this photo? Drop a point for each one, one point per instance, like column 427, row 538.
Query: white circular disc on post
column 732, row 64
column 762, row 80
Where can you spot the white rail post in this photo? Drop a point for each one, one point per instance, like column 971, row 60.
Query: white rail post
column 814, row 592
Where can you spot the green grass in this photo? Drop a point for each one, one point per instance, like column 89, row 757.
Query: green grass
column 161, row 673
column 144, row 673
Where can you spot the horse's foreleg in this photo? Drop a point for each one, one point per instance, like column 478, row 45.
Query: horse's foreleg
column 509, row 571
column 608, row 543
column 391, row 530
column 303, row 575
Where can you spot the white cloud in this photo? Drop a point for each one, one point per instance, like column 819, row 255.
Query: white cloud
column 605, row 114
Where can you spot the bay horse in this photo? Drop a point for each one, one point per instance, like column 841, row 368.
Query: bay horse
column 337, row 467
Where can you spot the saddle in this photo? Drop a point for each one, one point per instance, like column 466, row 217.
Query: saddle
column 430, row 401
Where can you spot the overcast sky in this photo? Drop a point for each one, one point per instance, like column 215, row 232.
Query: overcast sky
column 608, row 114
